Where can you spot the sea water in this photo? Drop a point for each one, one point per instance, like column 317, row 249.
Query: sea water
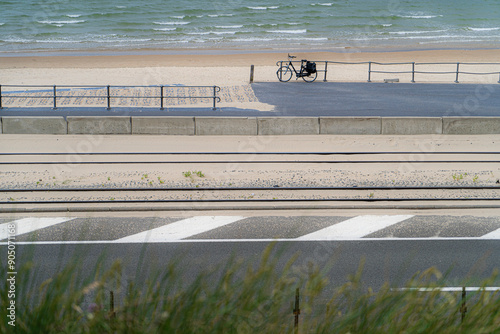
column 28, row 25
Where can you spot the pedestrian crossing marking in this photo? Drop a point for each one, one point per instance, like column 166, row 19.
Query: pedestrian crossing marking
column 181, row 229
column 354, row 228
column 27, row 225
column 492, row 235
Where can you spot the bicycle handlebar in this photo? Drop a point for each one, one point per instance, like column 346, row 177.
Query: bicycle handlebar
column 291, row 57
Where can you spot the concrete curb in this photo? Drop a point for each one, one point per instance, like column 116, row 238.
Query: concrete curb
column 250, row 126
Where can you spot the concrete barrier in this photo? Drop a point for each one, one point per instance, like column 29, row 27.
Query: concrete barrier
column 245, row 126
column 101, row 125
column 350, row 125
column 163, row 125
column 34, row 125
column 411, row 125
column 288, row 125
column 471, row 125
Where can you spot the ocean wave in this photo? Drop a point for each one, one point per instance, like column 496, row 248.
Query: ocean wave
column 219, row 15
column 73, row 15
column 414, row 32
column 419, row 16
column 60, row 22
column 299, row 31
column 229, row 27
column 482, row 29
column 164, row 29
column 1, row 23
column 322, row 4
column 180, row 17
column 172, row 23
column 263, row 8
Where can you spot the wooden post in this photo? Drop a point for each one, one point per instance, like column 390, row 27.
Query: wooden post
column 251, row 73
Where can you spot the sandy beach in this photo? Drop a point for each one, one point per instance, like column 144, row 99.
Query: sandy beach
column 232, row 71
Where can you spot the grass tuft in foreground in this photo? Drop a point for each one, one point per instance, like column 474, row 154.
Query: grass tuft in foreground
column 239, row 299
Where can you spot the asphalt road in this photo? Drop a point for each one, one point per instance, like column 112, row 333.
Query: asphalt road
column 328, row 99
column 393, row 247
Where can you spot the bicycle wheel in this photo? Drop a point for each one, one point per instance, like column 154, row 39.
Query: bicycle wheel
column 311, row 77
column 284, row 74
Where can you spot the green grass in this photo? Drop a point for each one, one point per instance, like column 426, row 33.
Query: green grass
column 243, row 299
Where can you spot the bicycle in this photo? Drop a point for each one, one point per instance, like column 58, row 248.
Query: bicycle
column 307, row 70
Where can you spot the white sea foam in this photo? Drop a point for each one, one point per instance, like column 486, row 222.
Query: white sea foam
column 218, row 15
column 178, row 17
column 121, row 7
column 1, row 23
column 61, row 22
column 199, row 33
column 419, row 16
column 73, row 15
column 322, row 4
column 299, row 31
column 387, row 24
column 229, row 27
column 224, row 32
column 172, row 23
column 483, row 29
column 415, row 32
column 164, row 29
column 263, row 8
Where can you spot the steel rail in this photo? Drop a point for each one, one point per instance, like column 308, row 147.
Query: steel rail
column 253, row 200
column 250, row 162
column 275, row 188
column 246, row 153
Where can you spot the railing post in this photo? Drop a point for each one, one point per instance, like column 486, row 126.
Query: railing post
column 413, row 72
column 215, row 98
column 161, row 97
column 55, row 98
column 369, row 71
column 281, row 72
column 498, row 77
column 458, row 70
column 1, row 97
column 109, row 97
column 326, row 70
column 251, row 73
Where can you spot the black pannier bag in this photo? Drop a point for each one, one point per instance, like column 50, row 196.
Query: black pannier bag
column 311, row 67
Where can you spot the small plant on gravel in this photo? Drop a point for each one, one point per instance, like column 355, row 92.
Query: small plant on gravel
column 144, row 176
column 186, row 174
column 372, row 195
column 475, row 178
column 457, row 177
column 200, row 174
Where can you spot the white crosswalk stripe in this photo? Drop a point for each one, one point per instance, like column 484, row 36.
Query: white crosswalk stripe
column 492, row 235
column 180, row 229
column 354, row 228
column 27, row 225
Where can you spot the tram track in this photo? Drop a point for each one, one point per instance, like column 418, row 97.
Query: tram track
column 286, row 191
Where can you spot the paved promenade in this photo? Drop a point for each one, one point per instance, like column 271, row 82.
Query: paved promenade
column 296, row 99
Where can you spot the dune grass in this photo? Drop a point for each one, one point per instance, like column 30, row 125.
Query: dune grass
column 239, row 298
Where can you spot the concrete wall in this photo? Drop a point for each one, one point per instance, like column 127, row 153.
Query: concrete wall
column 250, row 126
column 471, row 125
column 164, row 125
column 99, row 125
column 288, row 125
column 411, row 125
column 350, row 125
column 245, row 126
column 34, row 125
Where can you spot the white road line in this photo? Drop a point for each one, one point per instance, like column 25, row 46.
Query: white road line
column 353, row 228
column 492, row 235
column 28, row 225
column 180, row 229
column 97, row 242
column 451, row 289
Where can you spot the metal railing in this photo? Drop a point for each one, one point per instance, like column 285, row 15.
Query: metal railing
column 411, row 71
column 109, row 96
